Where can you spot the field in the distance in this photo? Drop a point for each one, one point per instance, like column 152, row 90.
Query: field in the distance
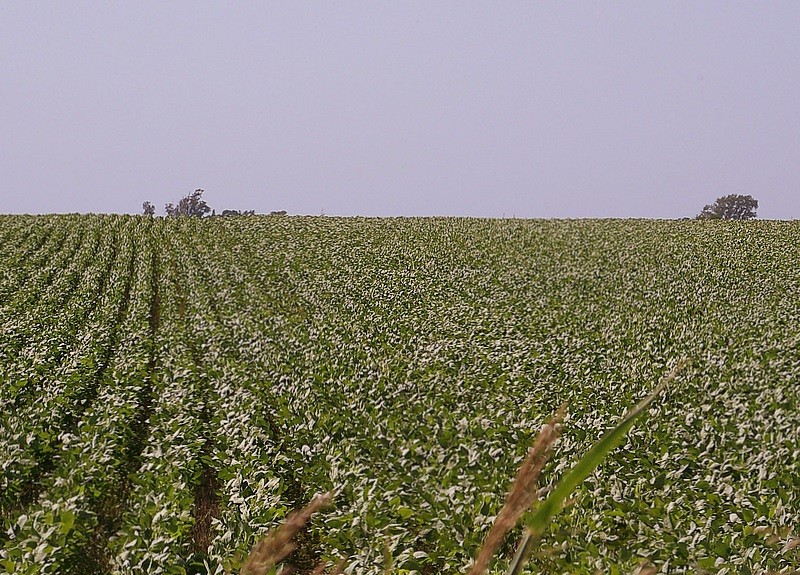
column 171, row 389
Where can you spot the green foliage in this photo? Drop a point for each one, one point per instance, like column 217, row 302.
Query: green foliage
column 407, row 365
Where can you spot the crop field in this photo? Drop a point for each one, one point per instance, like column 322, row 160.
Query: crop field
column 170, row 389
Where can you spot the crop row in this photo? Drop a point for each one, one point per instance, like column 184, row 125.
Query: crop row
column 72, row 444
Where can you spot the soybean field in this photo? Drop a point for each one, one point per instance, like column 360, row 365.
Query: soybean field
column 172, row 388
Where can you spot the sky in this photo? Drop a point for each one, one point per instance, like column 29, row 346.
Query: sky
column 452, row 108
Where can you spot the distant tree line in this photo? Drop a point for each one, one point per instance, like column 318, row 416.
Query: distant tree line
column 228, row 213
column 194, row 206
column 730, row 207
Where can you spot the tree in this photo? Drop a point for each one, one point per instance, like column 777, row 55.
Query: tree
column 732, row 207
column 192, row 205
column 148, row 209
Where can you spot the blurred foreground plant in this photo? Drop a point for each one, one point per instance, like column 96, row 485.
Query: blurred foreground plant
column 525, row 484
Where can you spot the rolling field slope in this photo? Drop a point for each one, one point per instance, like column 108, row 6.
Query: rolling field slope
column 170, row 389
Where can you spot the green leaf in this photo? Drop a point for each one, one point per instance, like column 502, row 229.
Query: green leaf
column 67, row 521
column 405, row 512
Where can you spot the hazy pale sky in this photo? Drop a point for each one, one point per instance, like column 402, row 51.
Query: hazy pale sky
column 530, row 109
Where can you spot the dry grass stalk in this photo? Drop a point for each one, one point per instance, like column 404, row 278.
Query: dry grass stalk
column 791, row 544
column 278, row 544
column 522, row 494
column 645, row 569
